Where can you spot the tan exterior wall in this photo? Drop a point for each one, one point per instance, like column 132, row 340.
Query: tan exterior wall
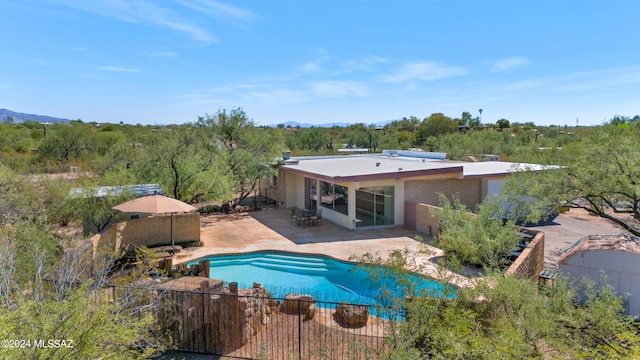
column 469, row 191
column 427, row 222
column 531, row 261
column 153, row 230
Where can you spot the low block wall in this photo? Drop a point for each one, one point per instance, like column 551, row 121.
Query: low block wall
column 531, row 261
column 153, row 230
column 426, row 221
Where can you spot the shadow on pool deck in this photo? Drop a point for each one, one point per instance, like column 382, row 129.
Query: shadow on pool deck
column 279, row 220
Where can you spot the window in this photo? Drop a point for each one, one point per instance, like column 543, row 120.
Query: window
column 334, row 197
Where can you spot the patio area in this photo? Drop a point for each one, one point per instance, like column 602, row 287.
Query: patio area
column 272, row 229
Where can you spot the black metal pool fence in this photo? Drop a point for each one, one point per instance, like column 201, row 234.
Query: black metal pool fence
column 261, row 327
column 257, row 327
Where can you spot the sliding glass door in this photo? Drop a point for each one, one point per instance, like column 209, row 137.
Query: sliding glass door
column 375, row 206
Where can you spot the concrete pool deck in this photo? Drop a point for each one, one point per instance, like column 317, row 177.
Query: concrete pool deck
column 271, row 229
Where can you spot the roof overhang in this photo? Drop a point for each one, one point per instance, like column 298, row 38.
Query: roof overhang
column 455, row 171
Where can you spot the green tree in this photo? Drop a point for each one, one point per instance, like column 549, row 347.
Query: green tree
column 599, row 174
column 185, row 164
column 503, row 123
column 249, row 152
column 436, row 125
column 466, row 118
column 312, row 138
column 20, row 198
column 65, row 143
column 15, row 138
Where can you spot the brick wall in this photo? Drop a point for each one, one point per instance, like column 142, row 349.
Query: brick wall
column 469, row 191
column 154, row 230
column 531, row 261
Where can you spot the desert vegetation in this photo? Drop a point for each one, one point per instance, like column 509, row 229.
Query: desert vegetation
column 52, row 286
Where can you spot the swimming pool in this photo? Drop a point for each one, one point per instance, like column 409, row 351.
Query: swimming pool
column 324, row 278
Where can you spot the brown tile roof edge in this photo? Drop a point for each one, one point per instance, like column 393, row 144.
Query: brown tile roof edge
column 619, row 242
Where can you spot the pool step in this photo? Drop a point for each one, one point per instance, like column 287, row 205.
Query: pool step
column 278, row 261
column 292, row 263
column 293, row 268
column 295, row 258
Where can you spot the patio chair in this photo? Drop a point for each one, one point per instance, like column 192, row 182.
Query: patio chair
column 315, row 219
column 294, row 215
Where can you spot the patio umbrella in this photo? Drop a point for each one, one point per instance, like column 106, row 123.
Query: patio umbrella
column 155, row 204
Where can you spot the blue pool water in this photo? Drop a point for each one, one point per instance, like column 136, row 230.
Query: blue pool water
column 324, row 278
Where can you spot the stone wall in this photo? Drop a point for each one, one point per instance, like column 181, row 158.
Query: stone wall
column 153, row 230
column 214, row 321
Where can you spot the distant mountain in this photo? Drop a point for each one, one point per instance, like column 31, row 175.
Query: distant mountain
column 22, row 117
column 326, row 125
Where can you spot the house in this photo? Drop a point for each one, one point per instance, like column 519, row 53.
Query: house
column 617, row 256
column 382, row 189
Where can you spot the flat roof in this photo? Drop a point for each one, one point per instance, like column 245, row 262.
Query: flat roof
column 384, row 166
column 496, row 168
column 368, row 167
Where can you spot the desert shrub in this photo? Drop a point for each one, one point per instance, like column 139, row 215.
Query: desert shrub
column 479, row 239
column 208, row 209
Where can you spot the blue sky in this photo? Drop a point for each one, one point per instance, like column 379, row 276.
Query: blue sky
column 171, row 61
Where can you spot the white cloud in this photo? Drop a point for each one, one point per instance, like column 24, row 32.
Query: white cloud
column 218, row 9
column 367, row 63
column 115, row 69
column 196, row 32
column 311, row 67
column 510, row 63
column 141, row 12
column 77, row 49
column 168, row 54
column 276, row 97
column 427, row 71
column 315, row 66
column 242, row 93
column 324, row 63
column 339, row 89
column 600, row 79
